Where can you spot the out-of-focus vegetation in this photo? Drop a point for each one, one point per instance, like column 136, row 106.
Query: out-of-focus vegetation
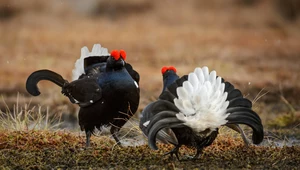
column 254, row 44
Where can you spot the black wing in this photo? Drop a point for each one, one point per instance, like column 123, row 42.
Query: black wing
column 85, row 91
column 134, row 74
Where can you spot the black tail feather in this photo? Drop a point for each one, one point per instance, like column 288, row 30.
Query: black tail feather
column 159, row 116
column 35, row 77
column 228, row 86
column 163, row 123
column 166, row 95
column 240, row 102
column 156, row 111
column 249, row 112
column 242, row 115
column 153, row 109
column 235, row 93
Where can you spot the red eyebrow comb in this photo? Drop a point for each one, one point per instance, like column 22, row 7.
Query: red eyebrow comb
column 172, row 68
column 165, row 68
column 123, row 54
column 115, row 54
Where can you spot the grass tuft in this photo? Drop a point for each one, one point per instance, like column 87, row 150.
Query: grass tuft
column 24, row 118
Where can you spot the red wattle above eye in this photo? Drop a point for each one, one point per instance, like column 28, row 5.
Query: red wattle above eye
column 164, row 69
column 123, row 54
column 115, row 54
column 172, row 68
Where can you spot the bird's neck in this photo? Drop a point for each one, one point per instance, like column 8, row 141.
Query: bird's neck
column 168, row 80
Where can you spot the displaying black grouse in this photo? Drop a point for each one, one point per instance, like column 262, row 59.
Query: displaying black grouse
column 105, row 87
column 194, row 107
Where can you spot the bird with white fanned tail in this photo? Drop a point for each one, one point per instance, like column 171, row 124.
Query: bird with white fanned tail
column 193, row 108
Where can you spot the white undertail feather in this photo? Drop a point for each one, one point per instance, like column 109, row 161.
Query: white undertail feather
column 146, row 123
column 79, row 64
column 202, row 101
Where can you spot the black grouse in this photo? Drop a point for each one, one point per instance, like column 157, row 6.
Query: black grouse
column 194, row 107
column 105, row 87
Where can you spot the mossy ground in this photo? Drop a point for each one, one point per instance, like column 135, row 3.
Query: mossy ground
column 65, row 150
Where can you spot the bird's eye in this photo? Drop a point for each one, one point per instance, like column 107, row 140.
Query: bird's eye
column 115, row 54
column 123, row 54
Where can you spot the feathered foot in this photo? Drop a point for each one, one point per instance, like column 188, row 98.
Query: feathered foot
column 88, row 137
column 114, row 130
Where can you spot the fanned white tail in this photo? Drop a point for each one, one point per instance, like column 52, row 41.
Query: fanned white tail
column 202, row 101
column 79, row 64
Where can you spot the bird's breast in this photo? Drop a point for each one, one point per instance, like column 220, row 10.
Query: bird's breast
column 118, row 81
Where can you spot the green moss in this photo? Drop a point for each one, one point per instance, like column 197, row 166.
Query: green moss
column 286, row 120
column 290, row 119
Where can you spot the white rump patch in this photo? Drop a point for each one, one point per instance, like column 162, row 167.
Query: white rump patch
column 202, row 100
column 96, row 51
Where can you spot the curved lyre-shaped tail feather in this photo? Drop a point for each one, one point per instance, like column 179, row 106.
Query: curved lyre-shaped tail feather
column 242, row 115
column 154, row 112
column 164, row 119
column 35, row 77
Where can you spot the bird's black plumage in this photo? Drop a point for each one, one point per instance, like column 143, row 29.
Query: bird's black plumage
column 107, row 93
column 35, row 77
column 169, row 76
column 161, row 114
column 119, row 101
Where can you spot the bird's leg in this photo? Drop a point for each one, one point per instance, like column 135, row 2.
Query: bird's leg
column 116, row 125
column 88, row 134
column 175, row 151
column 114, row 130
column 243, row 135
column 198, row 153
column 238, row 129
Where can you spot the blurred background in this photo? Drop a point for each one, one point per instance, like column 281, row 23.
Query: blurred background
column 254, row 44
